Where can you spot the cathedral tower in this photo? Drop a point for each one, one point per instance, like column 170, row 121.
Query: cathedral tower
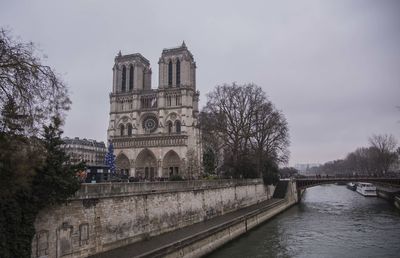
column 154, row 131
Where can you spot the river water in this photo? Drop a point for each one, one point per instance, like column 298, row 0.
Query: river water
column 330, row 221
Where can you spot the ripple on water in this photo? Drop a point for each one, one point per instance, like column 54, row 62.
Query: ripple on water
column 331, row 221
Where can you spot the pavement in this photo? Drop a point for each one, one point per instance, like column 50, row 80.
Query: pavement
column 156, row 242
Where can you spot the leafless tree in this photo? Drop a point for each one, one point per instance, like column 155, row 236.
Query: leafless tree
column 270, row 135
column 362, row 161
column 32, row 90
column 247, row 124
column 192, row 166
column 228, row 106
column 385, row 147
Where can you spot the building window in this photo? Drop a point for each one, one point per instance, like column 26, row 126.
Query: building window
column 149, row 101
column 178, row 100
column 170, row 73
column 169, row 101
column 178, row 73
column 121, row 129
column 144, row 80
column 169, row 126
column 123, row 79
column 178, row 126
column 129, row 129
column 131, row 78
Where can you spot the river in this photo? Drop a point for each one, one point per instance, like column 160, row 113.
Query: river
column 330, row 221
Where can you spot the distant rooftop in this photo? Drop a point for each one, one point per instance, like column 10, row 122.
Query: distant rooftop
column 84, row 141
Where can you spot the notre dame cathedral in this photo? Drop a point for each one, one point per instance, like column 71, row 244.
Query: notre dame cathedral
column 155, row 131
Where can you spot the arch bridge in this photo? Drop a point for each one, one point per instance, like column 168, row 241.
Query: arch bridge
column 303, row 183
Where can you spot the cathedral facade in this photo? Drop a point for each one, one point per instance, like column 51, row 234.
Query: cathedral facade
column 155, row 131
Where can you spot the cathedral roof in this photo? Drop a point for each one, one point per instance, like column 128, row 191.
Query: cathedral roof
column 176, row 50
column 135, row 56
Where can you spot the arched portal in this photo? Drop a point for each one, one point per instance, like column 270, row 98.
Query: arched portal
column 122, row 164
column 146, row 165
column 171, row 164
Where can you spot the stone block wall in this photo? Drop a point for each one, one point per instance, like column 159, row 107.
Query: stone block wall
column 101, row 217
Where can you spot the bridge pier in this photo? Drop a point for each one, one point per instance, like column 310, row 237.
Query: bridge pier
column 300, row 193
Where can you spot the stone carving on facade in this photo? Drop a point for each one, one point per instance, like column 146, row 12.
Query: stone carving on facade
column 151, row 136
column 173, row 116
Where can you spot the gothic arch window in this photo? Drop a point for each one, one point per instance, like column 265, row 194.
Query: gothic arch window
column 144, row 80
column 178, row 100
column 170, row 73
column 178, row 73
column 122, row 164
column 131, row 78
column 178, row 126
column 169, row 126
column 171, row 164
column 129, row 129
column 146, row 165
column 123, row 78
column 121, row 129
column 169, row 100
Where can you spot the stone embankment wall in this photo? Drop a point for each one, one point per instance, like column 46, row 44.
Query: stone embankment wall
column 206, row 242
column 101, row 217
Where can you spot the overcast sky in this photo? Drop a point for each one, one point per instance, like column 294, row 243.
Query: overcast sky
column 332, row 67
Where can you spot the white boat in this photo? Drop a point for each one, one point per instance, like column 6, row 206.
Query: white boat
column 366, row 189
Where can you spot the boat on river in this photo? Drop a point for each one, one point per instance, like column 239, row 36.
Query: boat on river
column 352, row 186
column 366, row 189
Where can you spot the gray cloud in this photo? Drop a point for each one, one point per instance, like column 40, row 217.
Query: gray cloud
column 332, row 67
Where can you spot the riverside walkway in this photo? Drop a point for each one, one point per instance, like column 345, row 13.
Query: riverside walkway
column 156, row 246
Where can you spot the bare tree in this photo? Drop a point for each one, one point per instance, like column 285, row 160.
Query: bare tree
column 249, row 127
column 362, row 161
column 192, row 166
column 34, row 170
column 385, row 147
column 31, row 89
column 270, row 135
column 230, row 108
column 212, row 144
